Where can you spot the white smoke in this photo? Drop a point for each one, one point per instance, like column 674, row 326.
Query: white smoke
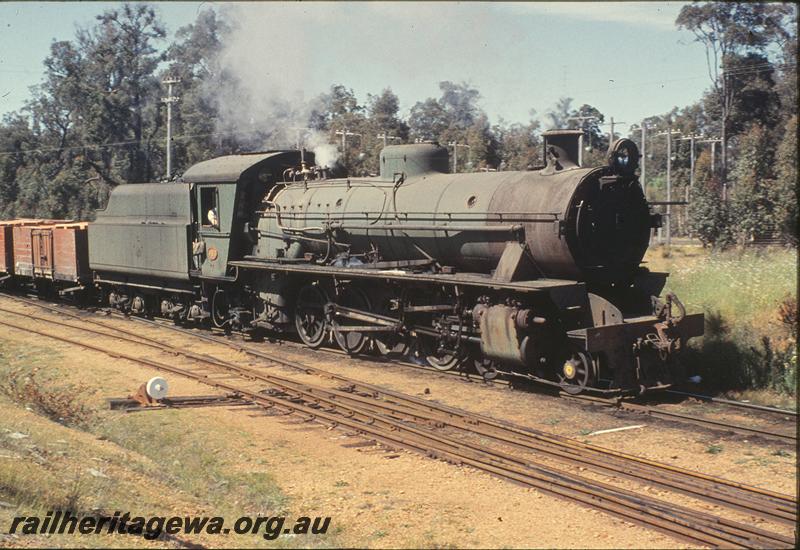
column 325, row 153
column 263, row 94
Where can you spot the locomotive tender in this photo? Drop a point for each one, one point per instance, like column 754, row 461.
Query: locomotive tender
column 533, row 274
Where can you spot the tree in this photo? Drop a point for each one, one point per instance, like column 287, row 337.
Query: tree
column 428, row 120
column 456, row 118
column 338, row 110
column 122, row 90
column 709, row 219
column 784, row 192
column 460, row 103
column 728, row 30
column 194, row 59
column 589, row 119
column 751, row 206
column 16, row 137
column 383, row 118
column 560, row 114
column 519, row 144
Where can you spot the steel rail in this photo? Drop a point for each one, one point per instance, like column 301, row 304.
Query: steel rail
column 733, row 403
column 668, row 415
column 471, row 418
column 743, row 502
column 676, row 520
column 792, row 438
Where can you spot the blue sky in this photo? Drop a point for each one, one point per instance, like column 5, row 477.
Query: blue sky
column 625, row 58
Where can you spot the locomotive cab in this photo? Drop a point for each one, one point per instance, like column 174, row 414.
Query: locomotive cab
column 227, row 191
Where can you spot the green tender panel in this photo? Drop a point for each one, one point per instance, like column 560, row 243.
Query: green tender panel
column 144, row 230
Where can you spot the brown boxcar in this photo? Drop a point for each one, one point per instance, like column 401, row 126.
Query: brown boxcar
column 70, row 252
column 7, row 241
column 51, row 249
column 23, row 249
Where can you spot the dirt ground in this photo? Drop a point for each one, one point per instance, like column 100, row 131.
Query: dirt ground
column 235, row 461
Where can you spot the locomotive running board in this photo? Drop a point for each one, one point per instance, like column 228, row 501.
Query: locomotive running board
column 467, row 279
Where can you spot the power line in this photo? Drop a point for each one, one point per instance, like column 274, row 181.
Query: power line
column 121, row 143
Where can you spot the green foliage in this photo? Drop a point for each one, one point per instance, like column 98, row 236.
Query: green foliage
column 519, row 144
column 714, row 449
column 193, row 58
column 456, row 118
column 751, row 207
column 750, row 303
column 783, row 193
column 709, row 216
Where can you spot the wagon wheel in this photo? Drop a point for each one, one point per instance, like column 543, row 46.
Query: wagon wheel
column 577, row 374
column 309, row 315
column 351, row 342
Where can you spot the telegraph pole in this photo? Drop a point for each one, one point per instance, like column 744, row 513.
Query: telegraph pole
column 344, row 133
column 669, row 133
column 691, row 138
column 713, row 142
column 611, row 134
column 169, row 100
column 385, row 137
column 455, row 145
column 299, row 132
column 644, row 156
column 713, row 156
column 724, row 136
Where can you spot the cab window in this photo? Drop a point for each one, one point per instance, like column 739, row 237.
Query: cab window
column 209, row 207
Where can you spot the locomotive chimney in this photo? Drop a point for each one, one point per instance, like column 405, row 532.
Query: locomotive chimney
column 563, row 149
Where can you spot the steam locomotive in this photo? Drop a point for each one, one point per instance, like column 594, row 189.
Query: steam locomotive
column 531, row 274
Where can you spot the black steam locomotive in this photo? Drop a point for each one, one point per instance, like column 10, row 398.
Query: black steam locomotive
column 531, row 274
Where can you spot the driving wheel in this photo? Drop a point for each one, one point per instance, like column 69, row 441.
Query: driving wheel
column 309, row 315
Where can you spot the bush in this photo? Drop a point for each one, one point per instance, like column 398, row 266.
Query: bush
column 57, row 403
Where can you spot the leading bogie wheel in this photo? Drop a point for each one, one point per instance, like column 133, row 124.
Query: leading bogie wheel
column 577, row 373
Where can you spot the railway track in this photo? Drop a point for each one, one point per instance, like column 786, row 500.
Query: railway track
column 656, row 412
column 516, row 453
column 616, row 403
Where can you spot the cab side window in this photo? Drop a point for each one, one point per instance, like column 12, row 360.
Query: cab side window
column 209, row 207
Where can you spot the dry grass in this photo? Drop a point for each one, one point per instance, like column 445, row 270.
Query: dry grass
column 750, row 301
column 59, row 451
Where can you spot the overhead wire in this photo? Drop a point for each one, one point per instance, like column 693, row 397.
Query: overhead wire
column 752, row 69
column 120, row 143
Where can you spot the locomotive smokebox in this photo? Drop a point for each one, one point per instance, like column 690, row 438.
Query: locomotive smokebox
column 413, row 160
